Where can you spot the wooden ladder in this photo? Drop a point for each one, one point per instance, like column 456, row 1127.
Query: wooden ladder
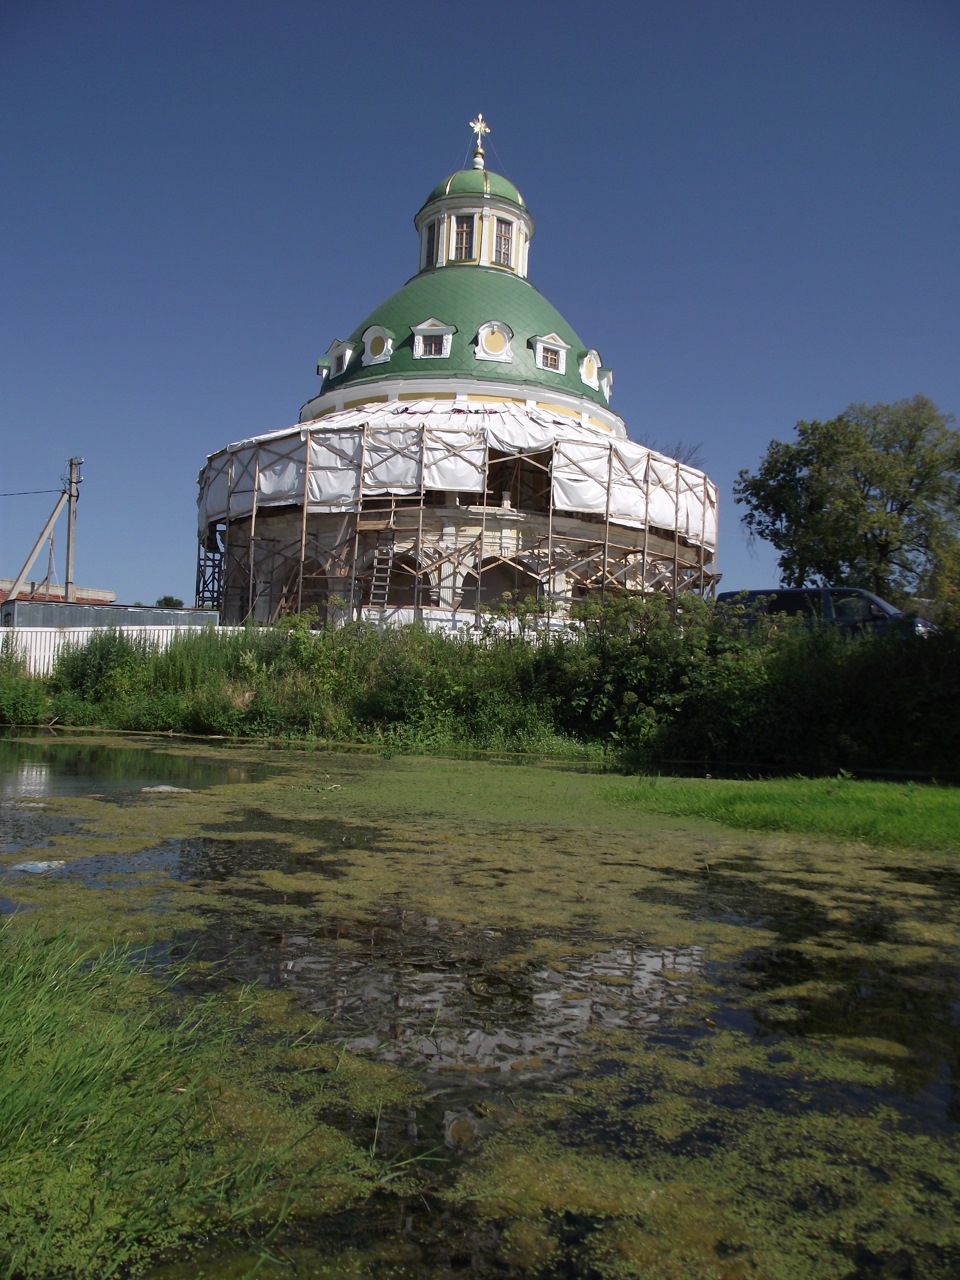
column 382, row 569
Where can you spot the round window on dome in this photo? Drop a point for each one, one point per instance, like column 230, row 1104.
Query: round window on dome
column 493, row 341
column 590, row 366
column 377, row 345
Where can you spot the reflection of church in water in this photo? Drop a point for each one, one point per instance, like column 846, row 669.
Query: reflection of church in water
column 461, row 445
column 448, row 1015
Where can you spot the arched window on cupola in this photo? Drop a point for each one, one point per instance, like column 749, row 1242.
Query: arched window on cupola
column 434, row 251
column 464, row 237
column 503, row 239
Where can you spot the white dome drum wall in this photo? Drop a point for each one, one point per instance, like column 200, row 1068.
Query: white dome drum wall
column 461, row 447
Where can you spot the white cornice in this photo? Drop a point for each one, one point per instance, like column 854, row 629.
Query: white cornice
column 427, row 387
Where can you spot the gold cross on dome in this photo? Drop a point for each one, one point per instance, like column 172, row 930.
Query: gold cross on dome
column 479, row 127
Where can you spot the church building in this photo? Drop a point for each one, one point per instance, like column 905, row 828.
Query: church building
column 461, row 446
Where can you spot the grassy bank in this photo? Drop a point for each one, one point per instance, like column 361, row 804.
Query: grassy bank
column 884, row 814
column 631, row 683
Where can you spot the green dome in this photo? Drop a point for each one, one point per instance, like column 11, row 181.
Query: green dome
column 468, row 296
column 475, row 182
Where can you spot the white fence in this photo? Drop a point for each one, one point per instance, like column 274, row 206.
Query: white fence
column 39, row 647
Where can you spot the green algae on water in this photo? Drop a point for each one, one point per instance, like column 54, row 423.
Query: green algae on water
column 679, row 1050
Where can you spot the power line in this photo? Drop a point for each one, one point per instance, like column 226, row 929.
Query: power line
column 24, row 493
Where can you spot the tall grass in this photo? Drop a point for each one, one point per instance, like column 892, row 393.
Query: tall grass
column 123, row 1129
column 23, row 700
column 102, row 1162
column 405, row 688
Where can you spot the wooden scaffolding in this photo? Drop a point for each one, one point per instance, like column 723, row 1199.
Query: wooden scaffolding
column 426, row 548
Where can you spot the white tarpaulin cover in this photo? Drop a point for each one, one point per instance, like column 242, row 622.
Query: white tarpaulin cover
column 399, row 448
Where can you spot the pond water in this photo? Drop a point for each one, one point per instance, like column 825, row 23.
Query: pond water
column 642, row 1047
column 51, row 766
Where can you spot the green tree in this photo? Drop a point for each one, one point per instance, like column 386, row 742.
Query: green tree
column 169, row 602
column 869, row 499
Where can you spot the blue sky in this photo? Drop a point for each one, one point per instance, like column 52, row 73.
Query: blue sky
column 750, row 208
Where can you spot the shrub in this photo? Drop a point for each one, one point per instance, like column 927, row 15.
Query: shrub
column 97, row 669
column 23, row 699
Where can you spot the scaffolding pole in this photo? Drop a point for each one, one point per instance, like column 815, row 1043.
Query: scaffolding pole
column 606, row 525
column 356, row 528
column 483, row 531
column 251, row 549
column 676, row 527
column 226, row 533
column 303, row 520
column 417, row 606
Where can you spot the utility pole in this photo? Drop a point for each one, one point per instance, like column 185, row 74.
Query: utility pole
column 73, row 493
column 68, row 498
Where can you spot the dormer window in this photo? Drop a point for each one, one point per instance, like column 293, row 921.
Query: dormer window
column 339, row 353
column 432, row 339
column 590, row 369
column 493, row 342
column 551, row 352
column 503, row 243
column 377, row 345
column 463, row 237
